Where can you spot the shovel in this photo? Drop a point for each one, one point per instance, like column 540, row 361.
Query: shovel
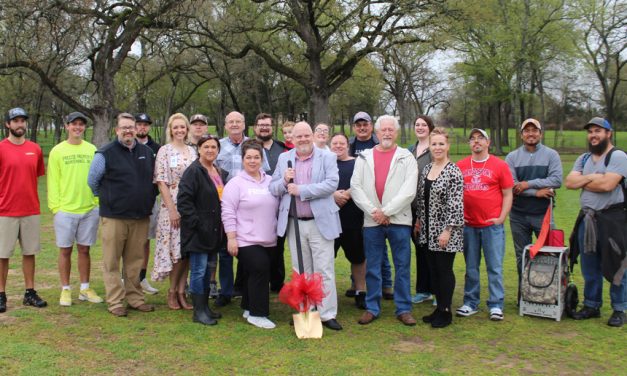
column 306, row 324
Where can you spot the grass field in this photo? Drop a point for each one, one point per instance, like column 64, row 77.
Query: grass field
column 85, row 339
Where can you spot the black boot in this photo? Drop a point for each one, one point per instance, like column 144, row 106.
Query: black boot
column 201, row 309
column 360, row 300
column 213, row 314
column 442, row 319
column 429, row 318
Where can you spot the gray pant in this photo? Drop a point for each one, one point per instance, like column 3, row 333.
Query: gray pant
column 522, row 225
column 318, row 257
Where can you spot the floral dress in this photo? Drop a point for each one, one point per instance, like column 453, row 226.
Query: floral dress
column 169, row 169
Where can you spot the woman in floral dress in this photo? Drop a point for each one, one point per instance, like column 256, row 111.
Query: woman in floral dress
column 172, row 160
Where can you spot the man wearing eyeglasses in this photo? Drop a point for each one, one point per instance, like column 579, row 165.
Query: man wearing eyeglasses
column 121, row 176
column 364, row 138
column 488, row 196
column 537, row 172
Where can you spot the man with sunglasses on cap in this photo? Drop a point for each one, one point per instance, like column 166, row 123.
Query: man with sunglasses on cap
column 143, row 123
column 74, row 206
column 599, row 234
column 488, row 195
column 537, row 172
column 199, row 127
column 21, row 163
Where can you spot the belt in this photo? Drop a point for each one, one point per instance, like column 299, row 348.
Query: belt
column 305, row 218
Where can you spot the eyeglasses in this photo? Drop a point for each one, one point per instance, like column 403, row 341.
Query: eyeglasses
column 264, row 125
column 322, row 130
column 128, row 128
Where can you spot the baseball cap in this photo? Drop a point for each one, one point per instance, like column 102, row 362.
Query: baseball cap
column 598, row 121
column 531, row 121
column 361, row 116
column 16, row 112
column 483, row 133
column 144, row 118
column 198, row 117
column 75, row 115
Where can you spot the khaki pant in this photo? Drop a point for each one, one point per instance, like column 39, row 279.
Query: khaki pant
column 123, row 238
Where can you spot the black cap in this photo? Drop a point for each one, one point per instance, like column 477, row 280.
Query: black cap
column 144, row 118
column 15, row 113
column 75, row 115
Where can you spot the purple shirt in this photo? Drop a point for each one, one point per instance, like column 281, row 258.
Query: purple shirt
column 250, row 210
column 302, row 176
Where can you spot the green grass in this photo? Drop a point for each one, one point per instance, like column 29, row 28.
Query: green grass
column 85, row 339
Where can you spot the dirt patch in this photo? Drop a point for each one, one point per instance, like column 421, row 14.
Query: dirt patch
column 7, row 320
column 412, row 344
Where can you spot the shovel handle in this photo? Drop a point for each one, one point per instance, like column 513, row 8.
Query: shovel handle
column 294, row 215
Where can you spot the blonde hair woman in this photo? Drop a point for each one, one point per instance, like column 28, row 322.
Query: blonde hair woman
column 172, row 160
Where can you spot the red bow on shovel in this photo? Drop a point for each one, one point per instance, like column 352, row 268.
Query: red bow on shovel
column 304, row 290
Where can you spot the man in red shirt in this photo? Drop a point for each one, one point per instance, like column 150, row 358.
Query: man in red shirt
column 21, row 163
column 488, row 198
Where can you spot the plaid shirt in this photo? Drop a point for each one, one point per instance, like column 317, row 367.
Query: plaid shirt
column 230, row 157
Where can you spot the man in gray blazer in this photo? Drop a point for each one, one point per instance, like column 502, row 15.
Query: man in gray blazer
column 315, row 178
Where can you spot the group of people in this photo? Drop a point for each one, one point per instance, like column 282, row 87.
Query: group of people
column 231, row 197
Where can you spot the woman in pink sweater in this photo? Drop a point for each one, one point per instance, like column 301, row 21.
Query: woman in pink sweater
column 249, row 215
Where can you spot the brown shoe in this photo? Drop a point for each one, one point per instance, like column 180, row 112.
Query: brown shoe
column 119, row 312
column 366, row 318
column 183, row 301
column 173, row 302
column 143, row 307
column 407, row 319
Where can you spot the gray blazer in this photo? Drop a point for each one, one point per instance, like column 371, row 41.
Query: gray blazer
column 324, row 181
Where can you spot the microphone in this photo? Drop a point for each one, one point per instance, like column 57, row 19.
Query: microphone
column 289, row 165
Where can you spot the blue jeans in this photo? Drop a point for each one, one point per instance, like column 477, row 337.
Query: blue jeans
column 492, row 240
column 376, row 249
column 386, row 272
column 593, row 279
column 199, row 272
column 225, row 272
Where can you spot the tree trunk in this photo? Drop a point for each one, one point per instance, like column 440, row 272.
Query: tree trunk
column 318, row 107
column 102, row 125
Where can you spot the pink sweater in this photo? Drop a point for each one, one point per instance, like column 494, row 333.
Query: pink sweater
column 250, row 210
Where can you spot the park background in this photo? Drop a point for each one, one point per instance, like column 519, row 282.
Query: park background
column 486, row 63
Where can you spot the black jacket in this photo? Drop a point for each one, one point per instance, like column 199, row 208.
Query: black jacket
column 200, row 209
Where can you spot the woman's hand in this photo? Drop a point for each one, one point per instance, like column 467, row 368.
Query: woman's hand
column 231, row 247
column 444, row 238
column 175, row 219
column 417, row 227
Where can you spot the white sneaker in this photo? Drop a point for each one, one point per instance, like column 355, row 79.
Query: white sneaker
column 496, row 314
column 261, row 322
column 147, row 288
column 465, row 311
column 246, row 314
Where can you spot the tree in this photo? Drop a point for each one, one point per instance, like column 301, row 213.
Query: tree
column 603, row 46
column 318, row 44
column 89, row 41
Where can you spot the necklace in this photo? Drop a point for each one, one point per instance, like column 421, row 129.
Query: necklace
column 477, row 171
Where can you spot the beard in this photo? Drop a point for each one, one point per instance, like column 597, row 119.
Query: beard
column 264, row 138
column 599, row 148
column 19, row 132
column 141, row 135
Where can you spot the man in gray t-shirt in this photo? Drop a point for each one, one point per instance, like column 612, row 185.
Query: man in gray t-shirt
column 600, row 234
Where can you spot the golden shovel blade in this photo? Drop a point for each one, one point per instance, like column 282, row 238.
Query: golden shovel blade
column 308, row 325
